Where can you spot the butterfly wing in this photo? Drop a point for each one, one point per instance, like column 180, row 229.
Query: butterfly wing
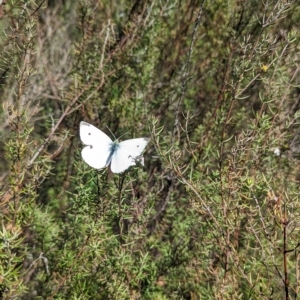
column 127, row 153
column 97, row 151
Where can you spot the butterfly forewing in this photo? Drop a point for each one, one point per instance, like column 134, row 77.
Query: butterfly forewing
column 97, row 151
column 91, row 135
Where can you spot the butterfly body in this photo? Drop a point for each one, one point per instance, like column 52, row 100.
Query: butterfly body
column 113, row 147
column 101, row 151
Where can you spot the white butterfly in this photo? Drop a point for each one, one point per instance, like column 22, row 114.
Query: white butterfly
column 102, row 151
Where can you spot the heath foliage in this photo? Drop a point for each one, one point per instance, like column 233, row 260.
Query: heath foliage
column 214, row 214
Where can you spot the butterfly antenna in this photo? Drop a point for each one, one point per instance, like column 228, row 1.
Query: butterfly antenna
column 111, row 132
column 114, row 135
column 123, row 134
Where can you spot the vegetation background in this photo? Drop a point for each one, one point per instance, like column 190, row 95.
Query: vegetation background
column 214, row 214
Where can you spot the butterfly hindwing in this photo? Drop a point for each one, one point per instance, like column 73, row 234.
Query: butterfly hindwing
column 126, row 153
column 95, row 156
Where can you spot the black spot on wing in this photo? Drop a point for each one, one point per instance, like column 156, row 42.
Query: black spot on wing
column 89, row 133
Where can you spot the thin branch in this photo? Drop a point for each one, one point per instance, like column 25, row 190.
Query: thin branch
column 187, row 72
